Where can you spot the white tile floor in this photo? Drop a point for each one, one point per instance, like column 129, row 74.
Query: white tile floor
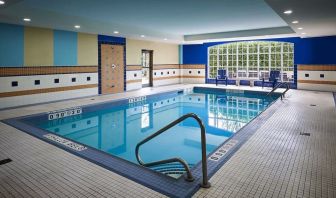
column 276, row 162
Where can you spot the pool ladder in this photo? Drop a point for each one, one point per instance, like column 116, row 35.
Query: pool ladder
column 278, row 86
column 205, row 182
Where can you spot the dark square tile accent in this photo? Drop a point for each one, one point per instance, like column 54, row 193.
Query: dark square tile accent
column 88, row 122
column 199, row 72
column 321, row 75
column 307, row 75
column 161, row 73
column 37, row 82
column 73, row 79
column 167, row 72
column 15, row 83
column 173, row 72
column 5, row 161
column 189, row 72
column 56, row 80
column 154, row 73
column 88, row 78
column 135, row 75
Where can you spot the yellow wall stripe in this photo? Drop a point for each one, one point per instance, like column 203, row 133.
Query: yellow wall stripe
column 38, row 46
column 87, row 49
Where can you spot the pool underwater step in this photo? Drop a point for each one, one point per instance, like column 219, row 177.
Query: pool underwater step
column 174, row 170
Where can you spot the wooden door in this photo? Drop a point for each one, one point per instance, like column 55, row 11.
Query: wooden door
column 112, row 68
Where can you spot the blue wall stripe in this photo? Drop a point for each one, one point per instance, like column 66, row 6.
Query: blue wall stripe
column 11, row 45
column 113, row 39
column 65, row 48
column 180, row 54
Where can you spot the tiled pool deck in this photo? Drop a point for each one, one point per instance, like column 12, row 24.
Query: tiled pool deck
column 275, row 162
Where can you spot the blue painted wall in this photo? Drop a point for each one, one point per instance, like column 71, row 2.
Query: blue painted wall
column 65, row 48
column 112, row 39
column 11, row 45
column 318, row 50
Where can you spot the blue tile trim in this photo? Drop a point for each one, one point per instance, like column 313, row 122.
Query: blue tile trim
column 149, row 178
column 335, row 97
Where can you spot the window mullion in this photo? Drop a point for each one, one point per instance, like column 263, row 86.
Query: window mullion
column 281, row 76
column 247, row 60
column 258, row 59
column 237, row 57
column 269, row 57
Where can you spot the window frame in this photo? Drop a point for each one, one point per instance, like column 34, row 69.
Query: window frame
column 276, row 51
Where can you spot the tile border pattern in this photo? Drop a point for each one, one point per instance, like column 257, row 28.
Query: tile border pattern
column 45, row 70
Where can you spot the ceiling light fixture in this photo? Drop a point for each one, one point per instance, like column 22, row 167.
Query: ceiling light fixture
column 27, row 19
column 303, row 33
column 295, row 22
column 288, row 12
column 165, row 39
column 77, row 26
column 2, row 2
column 142, row 36
column 300, row 28
column 116, row 32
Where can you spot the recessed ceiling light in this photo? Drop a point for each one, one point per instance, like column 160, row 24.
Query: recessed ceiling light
column 300, row 28
column 165, row 39
column 2, row 2
column 288, row 12
column 116, row 32
column 77, row 26
column 295, row 22
column 303, row 33
column 27, row 19
column 142, row 36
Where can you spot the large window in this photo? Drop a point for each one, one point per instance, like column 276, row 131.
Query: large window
column 253, row 59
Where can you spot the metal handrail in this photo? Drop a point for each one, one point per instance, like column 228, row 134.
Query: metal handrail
column 205, row 183
column 277, row 86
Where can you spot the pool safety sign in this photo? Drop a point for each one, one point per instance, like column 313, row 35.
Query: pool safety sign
column 64, row 113
column 223, row 150
column 65, row 142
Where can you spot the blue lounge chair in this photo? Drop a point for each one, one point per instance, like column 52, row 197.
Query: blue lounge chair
column 221, row 76
column 273, row 78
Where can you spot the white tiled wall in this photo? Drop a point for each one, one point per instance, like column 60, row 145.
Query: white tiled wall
column 329, row 76
column 193, row 72
column 46, row 97
column 133, row 75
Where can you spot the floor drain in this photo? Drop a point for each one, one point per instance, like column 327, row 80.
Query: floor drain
column 5, row 161
column 313, row 105
column 305, row 134
column 92, row 99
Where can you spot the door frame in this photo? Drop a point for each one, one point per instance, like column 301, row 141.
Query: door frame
column 151, row 52
column 100, row 42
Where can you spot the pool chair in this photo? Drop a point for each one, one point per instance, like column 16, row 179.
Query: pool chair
column 221, row 76
column 274, row 76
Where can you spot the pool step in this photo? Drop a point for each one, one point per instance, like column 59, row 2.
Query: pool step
column 174, row 170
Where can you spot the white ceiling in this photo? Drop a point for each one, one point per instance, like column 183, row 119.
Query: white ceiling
column 316, row 17
column 156, row 19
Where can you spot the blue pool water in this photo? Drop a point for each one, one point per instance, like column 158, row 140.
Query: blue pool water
column 117, row 129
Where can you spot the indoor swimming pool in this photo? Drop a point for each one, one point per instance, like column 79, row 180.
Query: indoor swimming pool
column 114, row 128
